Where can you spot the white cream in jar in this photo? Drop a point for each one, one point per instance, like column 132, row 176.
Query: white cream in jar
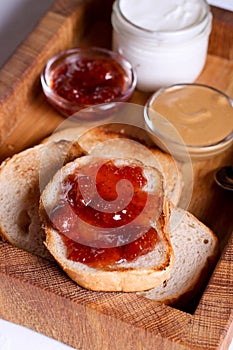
column 166, row 41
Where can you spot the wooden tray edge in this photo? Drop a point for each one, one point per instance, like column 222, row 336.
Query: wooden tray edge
column 176, row 338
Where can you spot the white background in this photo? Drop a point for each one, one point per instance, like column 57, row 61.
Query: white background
column 17, row 19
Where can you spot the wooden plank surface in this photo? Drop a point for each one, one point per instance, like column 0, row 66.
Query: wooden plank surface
column 19, row 78
column 221, row 39
column 35, row 292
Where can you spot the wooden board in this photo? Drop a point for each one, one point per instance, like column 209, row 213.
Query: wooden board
column 35, row 292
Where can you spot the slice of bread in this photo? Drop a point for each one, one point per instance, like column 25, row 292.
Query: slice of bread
column 146, row 271
column 149, row 157
column 123, row 141
column 196, row 250
column 100, row 141
column 22, row 178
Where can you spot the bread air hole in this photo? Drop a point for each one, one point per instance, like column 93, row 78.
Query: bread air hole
column 206, row 241
column 24, row 221
column 165, row 284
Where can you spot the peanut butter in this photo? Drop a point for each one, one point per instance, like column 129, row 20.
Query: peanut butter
column 201, row 115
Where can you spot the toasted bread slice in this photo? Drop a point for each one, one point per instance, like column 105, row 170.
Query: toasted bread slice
column 144, row 272
column 148, row 156
column 126, row 143
column 196, row 251
column 22, row 178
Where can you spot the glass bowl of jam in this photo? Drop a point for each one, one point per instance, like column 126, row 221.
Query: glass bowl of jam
column 78, row 78
column 190, row 119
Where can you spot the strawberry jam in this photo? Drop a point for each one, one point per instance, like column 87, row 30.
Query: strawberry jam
column 102, row 215
column 89, row 81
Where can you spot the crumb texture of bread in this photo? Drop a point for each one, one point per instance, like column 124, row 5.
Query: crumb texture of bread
column 145, row 271
column 196, row 250
column 22, row 178
column 124, row 142
column 19, row 200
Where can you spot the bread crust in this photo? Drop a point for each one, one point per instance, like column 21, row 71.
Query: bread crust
column 120, row 280
column 187, row 279
column 22, row 178
column 92, row 139
column 123, row 277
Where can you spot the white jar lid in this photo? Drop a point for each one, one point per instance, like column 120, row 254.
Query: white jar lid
column 166, row 20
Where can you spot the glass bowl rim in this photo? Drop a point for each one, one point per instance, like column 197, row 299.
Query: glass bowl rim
column 190, row 147
column 63, row 56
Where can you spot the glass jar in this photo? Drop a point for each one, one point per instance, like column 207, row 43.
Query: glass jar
column 166, row 41
column 193, row 118
column 76, row 79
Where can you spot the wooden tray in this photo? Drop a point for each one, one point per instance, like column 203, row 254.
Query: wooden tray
column 35, row 292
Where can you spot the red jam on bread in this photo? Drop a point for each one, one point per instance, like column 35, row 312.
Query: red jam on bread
column 104, row 215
